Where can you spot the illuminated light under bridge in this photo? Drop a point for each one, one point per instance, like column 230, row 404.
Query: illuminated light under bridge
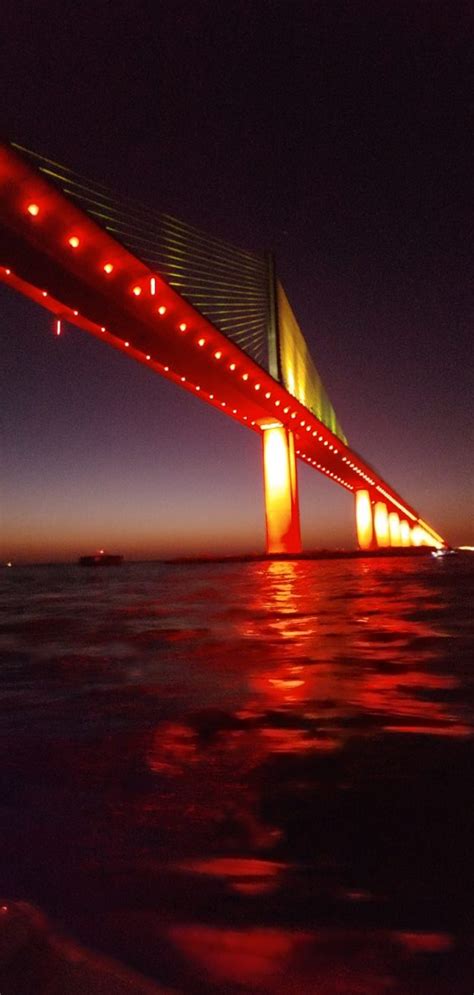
column 210, row 317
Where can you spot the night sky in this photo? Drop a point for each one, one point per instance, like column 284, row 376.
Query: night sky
column 336, row 134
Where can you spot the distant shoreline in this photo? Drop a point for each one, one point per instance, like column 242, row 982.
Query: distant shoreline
column 316, row 554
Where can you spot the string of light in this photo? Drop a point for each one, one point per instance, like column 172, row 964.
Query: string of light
column 225, row 284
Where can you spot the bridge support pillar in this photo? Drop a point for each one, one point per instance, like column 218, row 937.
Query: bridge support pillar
column 381, row 524
column 404, row 533
column 282, row 514
column 394, row 529
column 364, row 521
column 416, row 536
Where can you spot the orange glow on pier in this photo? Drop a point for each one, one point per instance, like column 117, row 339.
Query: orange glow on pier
column 281, row 509
column 365, row 529
column 381, row 524
column 394, row 529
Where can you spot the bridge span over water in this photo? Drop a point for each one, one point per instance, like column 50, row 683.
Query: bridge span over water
column 210, row 317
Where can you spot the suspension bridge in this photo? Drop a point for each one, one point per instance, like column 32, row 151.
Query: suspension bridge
column 212, row 318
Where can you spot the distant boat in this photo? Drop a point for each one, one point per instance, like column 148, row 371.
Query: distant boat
column 101, row 559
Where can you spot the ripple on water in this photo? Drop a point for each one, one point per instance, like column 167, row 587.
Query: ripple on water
column 247, row 773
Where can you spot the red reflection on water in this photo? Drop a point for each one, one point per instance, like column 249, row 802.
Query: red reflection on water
column 452, row 729
column 280, row 961
column 370, row 654
column 173, row 747
column 425, row 942
column 243, row 956
column 245, row 875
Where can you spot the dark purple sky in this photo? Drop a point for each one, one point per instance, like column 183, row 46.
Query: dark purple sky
column 335, row 133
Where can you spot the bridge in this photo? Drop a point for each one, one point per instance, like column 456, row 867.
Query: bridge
column 212, row 318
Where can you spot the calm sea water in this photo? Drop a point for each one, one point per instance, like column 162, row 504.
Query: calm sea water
column 246, row 777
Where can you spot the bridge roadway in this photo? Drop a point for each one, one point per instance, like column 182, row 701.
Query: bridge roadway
column 54, row 253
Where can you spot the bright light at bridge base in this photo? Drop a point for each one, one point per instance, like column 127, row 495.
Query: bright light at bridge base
column 381, row 524
column 281, row 490
column 394, row 529
column 365, row 529
column 416, row 536
column 404, row 533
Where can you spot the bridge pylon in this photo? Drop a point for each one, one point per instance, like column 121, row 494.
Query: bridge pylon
column 364, row 520
column 282, row 515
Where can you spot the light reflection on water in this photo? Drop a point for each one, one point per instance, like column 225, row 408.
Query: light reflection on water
column 242, row 774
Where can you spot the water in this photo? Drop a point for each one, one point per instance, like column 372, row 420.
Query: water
column 246, row 777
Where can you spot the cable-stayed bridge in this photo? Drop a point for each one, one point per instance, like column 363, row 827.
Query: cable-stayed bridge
column 210, row 317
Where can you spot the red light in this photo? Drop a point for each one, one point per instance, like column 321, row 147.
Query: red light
column 45, row 293
column 108, row 268
column 152, row 286
column 74, row 242
column 126, row 344
column 137, row 291
column 217, row 355
column 8, row 271
column 33, row 209
column 102, row 329
column 162, row 310
column 76, row 313
column 183, row 326
column 58, row 326
column 198, row 387
column 147, row 357
column 183, row 379
column 201, row 342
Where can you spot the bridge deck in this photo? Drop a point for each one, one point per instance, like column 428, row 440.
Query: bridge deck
column 54, row 253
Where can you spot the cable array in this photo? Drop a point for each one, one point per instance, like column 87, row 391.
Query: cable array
column 227, row 285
